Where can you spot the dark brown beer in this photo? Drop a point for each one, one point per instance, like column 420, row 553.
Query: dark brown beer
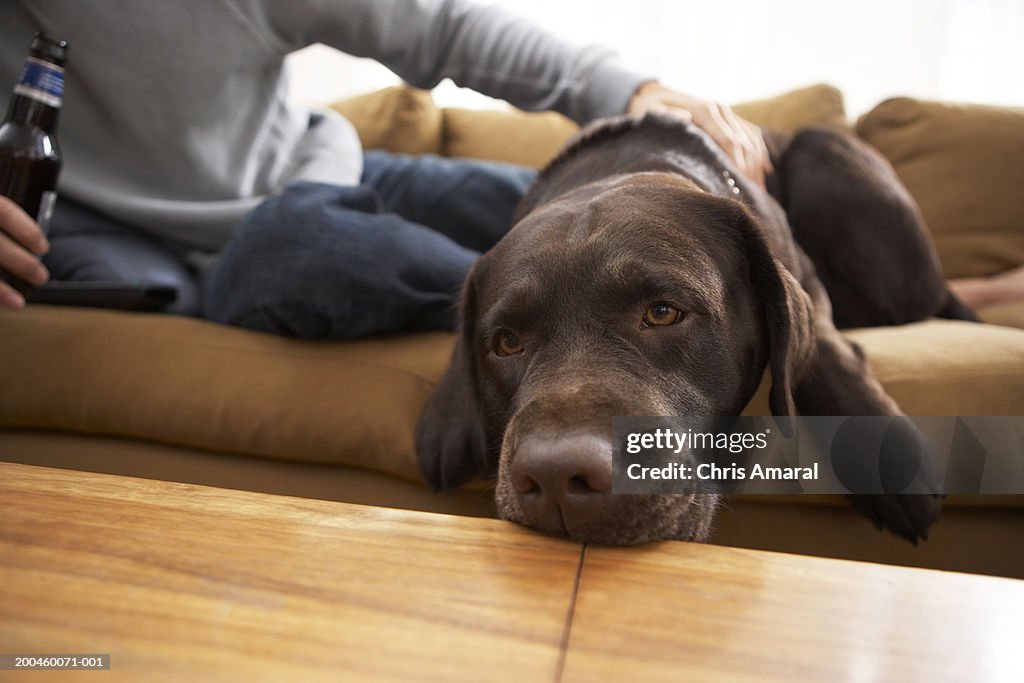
column 30, row 159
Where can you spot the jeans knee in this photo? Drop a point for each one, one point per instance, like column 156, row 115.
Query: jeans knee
column 278, row 281
column 312, row 266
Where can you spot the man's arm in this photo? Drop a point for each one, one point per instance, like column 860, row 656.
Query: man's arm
column 480, row 47
column 501, row 55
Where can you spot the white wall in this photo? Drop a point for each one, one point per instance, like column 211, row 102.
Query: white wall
column 735, row 50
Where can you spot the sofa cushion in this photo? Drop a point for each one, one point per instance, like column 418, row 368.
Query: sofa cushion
column 1009, row 314
column 514, row 137
column 187, row 382
column 401, row 119
column 963, row 165
column 813, row 105
column 533, row 139
column 940, row 367
column 945, row 367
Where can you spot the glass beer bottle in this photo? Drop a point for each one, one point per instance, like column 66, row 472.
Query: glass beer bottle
column 30, row 158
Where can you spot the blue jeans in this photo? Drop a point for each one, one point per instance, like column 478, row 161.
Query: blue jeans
column 87, row 246
column 328, row 262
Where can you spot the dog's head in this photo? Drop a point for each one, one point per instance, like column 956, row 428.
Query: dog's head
column 636, row 295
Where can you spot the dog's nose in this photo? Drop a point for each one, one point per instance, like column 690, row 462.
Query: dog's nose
column 563, row 481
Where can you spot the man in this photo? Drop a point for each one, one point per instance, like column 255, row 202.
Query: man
column 184, row 163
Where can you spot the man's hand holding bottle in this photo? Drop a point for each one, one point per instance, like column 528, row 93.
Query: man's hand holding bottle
column 21, row 244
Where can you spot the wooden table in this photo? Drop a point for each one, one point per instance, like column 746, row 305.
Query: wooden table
column 189, row 583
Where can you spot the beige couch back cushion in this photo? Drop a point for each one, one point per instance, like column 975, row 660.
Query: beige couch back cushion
column 404, row 120
column 400, row 119
column 533, row 139
column 965, row 167
column 814, row 105
column 514, row 137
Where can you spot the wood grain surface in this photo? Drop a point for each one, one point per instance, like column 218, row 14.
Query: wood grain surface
column 189, row 583
column 683, row 612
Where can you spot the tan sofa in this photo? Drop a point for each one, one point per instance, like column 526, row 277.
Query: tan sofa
column 186, row 400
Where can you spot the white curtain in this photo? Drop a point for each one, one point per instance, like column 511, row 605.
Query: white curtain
column 735, row 50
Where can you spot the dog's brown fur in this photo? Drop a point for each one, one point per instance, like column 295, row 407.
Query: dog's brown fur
column 644, row 210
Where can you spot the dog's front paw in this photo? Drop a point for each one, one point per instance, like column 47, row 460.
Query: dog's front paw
column 909, row 516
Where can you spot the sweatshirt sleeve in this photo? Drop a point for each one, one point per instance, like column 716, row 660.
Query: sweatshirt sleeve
column 478, row 46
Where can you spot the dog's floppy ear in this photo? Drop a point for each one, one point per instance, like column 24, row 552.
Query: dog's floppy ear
column 788, row 317
column 451, row 440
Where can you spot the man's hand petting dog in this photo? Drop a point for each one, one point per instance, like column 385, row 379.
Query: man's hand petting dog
column 738, row 138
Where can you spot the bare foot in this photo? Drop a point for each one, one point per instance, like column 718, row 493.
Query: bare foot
column 982, row 292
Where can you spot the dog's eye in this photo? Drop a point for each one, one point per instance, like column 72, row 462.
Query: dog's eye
column 661, row 314
column 508, row 344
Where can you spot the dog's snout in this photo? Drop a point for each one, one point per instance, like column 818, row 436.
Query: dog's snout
column 562, row 482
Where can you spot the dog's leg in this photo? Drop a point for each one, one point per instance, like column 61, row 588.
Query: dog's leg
column 841, row 383
column 851, row 214
column 817, row 371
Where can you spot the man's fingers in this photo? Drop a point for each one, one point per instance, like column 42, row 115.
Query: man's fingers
column 725, row 136
column 759, row 156
column 766, row 158
column 741, row 140
column 661, row 107
column 752, row 156
column 738, row 132
column 677, row 99
column 759, row 150
column 747, row 145
column 10, row 298
column 21, row 264
column 20, row 237
column 20, row 226
column 682, row 114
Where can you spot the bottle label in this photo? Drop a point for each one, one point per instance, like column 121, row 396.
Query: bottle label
column 41, row 81
column 46, row 204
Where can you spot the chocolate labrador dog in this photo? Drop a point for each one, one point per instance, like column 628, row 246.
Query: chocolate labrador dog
column 645, row 276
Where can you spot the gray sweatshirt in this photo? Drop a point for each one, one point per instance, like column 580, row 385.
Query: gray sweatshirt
column 175, row 115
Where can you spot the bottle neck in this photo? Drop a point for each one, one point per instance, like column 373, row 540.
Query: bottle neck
column 38, row 94
column 31, row 112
